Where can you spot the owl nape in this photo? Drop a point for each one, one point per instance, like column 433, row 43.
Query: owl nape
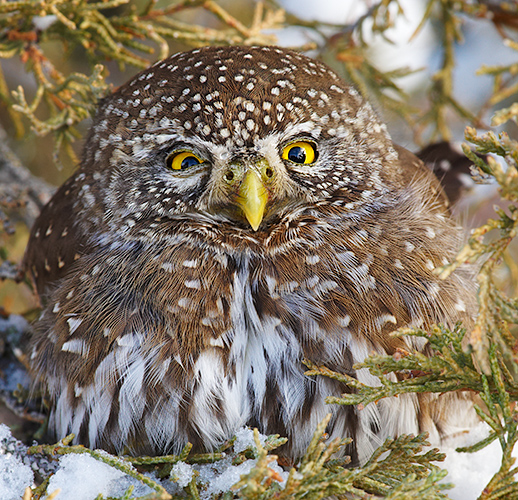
column 238, row 210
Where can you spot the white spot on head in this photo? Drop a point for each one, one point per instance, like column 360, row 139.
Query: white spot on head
column 409, row 247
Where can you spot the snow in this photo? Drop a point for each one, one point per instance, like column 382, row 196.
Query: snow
column 182, row 474
column 42, row 23
column 15, row 476
column 222, row 475
column 5, row 433
column 470, row 472
column 245, row 440
column 82, row 477
column 13, row 326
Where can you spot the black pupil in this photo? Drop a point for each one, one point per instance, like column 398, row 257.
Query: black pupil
column 189, row 161
column 297, row 154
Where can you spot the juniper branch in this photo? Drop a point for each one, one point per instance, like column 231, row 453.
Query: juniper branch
column 119, row 463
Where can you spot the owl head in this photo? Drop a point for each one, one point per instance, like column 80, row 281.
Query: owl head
column 238, row 136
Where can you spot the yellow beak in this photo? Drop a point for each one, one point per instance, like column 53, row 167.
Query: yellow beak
column 252, row 198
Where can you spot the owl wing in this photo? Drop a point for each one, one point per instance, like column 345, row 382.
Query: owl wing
column 56, row 241
column 413, row 167
column 451, row 167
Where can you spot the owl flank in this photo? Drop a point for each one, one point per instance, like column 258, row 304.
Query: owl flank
column 238, row 210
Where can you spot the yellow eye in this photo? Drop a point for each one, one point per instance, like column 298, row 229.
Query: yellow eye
column 181, row 160
column 299, row 152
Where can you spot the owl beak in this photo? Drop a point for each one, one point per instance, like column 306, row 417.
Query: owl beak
column 252, row 198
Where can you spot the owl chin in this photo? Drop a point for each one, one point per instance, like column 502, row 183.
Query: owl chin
column 223, row 228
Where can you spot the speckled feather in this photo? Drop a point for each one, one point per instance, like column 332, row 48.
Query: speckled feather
column 168, row 319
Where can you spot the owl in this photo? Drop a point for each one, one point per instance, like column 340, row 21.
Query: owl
column 238, row 210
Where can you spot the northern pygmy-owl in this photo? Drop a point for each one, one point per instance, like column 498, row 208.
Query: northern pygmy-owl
column 237, row 210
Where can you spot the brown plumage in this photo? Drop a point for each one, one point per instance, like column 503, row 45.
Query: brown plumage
column 236, row 211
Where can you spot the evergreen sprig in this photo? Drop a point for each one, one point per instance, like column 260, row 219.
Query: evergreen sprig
column 113, row 30
column 489, row 243
column 398, row 469
column 448, row 368
column 505, row 85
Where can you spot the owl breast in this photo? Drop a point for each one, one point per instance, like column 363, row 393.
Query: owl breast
column 205, row 330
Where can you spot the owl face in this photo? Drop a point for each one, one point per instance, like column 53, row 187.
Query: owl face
column 238, row 137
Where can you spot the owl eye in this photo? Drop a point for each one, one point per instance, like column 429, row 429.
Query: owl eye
column 300, row 152
column 182, row 160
